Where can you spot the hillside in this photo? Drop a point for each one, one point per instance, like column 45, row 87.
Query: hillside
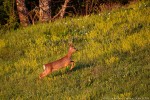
column 113, row 61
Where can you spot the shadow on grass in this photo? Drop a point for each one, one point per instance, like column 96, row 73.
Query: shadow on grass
column 80, row 66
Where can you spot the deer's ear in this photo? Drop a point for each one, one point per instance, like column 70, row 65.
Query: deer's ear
column 70, row 44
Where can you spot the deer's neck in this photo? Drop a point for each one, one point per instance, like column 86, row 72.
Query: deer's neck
column 69, row 54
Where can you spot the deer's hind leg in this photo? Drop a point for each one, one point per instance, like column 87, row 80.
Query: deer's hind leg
column 45, row 73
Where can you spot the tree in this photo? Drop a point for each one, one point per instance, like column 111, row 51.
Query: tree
column 48, row 10
column 61, row 12
column 45, row 12
column 22, row 12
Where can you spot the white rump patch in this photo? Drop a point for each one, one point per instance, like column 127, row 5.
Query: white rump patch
column 44, row 67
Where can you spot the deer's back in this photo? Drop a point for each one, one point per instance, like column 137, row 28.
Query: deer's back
column 59, row 63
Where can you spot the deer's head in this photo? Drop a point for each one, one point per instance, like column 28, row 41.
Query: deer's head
column 72, row 49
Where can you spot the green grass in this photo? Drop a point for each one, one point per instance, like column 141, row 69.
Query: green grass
column 113, row 61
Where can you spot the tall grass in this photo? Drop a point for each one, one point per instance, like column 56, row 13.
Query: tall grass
column 112, row 61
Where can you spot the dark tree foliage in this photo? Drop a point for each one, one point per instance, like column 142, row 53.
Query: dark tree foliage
column 9, row 16
column 2, row 14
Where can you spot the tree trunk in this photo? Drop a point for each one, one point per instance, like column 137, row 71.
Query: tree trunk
column 64, row 8
column 22, row 12
column 61, row 12
column 45, row 12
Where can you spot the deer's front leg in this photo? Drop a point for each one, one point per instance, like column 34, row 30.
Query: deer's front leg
column 72, row 65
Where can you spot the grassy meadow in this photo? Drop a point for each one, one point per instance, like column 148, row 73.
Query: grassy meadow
column 113, row 61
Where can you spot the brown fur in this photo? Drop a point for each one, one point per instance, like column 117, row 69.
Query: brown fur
column 58, row 64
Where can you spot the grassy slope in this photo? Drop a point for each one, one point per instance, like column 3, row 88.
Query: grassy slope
column 113, row 60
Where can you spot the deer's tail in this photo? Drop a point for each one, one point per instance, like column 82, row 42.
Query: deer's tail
column 44, row 67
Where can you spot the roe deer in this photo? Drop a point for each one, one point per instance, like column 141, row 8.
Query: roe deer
column 56, row 65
